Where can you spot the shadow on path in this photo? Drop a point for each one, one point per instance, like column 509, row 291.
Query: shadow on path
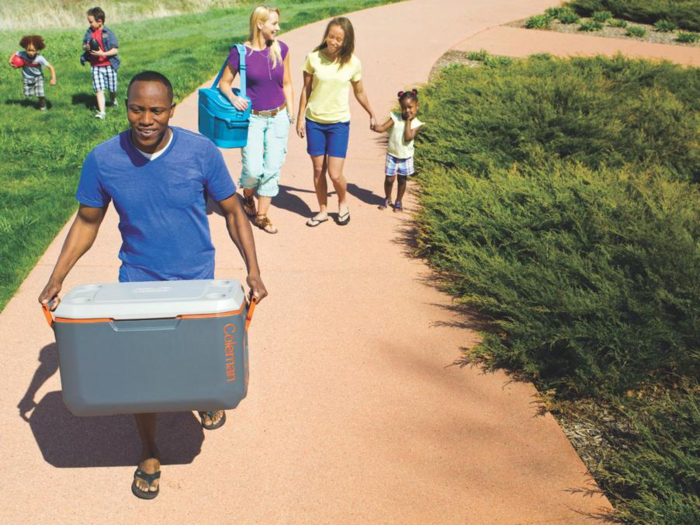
column 67, row 441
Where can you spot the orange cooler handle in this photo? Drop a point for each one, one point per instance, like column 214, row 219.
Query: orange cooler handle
column 251, row 309
column 47, row 314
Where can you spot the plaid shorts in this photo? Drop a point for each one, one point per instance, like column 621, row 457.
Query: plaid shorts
column 34, row 87
column 394, row 166
column 104, row 78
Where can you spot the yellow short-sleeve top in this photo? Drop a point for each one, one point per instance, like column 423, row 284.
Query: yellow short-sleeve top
column 330, row 88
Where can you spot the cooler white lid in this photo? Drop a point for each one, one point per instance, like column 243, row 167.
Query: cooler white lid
column 151, row 300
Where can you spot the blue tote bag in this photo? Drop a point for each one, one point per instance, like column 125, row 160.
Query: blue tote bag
column 219, row 120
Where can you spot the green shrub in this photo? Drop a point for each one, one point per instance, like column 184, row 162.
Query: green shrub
column 684, row 13
column 554, row 12
column 568, row 16
column 555, row 202
column 687, row 37
column 558, row 203
column 636, row 32
column 497, row 61
column 593, row 111
column 602, row 16
column 478, row 56
column 589, row 276
column 538, row 22
column 615, row 22
column 653, row 474
column 664, row 26
column 590, row 26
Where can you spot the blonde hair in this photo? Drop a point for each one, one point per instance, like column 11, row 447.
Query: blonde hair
column 262, row 14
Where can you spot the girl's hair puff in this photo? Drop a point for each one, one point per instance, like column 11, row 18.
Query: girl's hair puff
column 408, row 95
column 262, row 14
column 348, row 47
column 36, row 40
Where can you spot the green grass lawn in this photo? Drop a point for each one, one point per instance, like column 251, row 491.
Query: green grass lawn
column 43, row 152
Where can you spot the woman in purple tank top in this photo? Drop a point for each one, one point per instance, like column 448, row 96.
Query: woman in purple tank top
column 269, row 86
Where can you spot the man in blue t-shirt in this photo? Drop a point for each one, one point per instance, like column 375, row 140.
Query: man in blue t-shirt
column 158, row 178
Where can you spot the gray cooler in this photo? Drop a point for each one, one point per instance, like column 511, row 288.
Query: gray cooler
column 162, row 346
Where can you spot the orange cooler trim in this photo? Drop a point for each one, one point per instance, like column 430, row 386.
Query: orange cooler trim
column 109, row 320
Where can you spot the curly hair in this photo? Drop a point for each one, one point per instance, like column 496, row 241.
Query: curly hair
column 36, row 40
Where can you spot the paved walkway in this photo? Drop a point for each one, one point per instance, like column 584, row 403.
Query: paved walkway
column 356, row 413
column 519, row 42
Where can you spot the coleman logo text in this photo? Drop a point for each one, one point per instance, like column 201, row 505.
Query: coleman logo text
column 230, row 351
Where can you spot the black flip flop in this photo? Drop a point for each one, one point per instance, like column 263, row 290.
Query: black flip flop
column 344, row 219
column 313, row 222
column 211, row 415
column 148, row 478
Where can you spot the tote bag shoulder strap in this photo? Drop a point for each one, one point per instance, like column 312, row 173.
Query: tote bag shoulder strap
column 241, row 67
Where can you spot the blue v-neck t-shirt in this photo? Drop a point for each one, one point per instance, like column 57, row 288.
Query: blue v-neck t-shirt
column 161, row 203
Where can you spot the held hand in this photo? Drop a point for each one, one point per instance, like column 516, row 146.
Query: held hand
column 301, row 128
column 372, row 123
column 240, row 103
column 256, row 286
column 50, row 293
column 53, row 82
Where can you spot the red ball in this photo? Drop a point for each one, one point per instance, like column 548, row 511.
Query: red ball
column 17, row 61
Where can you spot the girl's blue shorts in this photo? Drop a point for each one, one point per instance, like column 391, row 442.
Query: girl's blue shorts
column 327, row 139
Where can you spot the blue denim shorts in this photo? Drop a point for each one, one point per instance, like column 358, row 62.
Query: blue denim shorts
column 327, row 139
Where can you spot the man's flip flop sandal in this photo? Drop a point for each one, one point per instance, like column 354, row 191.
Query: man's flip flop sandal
column 344, row 219
column 211, row 416
column 312, row 223
column 148, row 478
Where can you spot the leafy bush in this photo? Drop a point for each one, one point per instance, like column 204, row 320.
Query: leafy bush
column 478, row 56
column 615, row 22
column 664, row 26
column 653, row 475
column 636, row 32
column 497, row 61
column 590, row 25
column 596, row 112
column 539, row 22
column 555, row 202
column 684, row 13
column 589, row 276
column 568, row 16
column 554, row 12
column 602, row 16
column 686, row 37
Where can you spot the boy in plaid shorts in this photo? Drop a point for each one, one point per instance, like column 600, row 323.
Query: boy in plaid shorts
column 31, row 63
column 101, row 48
column 399, row 158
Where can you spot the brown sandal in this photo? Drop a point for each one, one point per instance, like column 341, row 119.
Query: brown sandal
column 249, row 205
column 264, row 223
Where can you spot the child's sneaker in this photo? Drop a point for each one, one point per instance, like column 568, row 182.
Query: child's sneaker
column 42, row 108
column 398, row 207
column 114, row 104
column 386, row 204
column 100, row 115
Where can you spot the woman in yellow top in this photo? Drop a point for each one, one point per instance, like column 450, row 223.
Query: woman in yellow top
column 324, row 112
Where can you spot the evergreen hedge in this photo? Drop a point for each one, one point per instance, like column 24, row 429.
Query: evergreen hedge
column 685, row 13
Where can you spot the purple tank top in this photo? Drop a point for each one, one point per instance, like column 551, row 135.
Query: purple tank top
column 264, row 83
